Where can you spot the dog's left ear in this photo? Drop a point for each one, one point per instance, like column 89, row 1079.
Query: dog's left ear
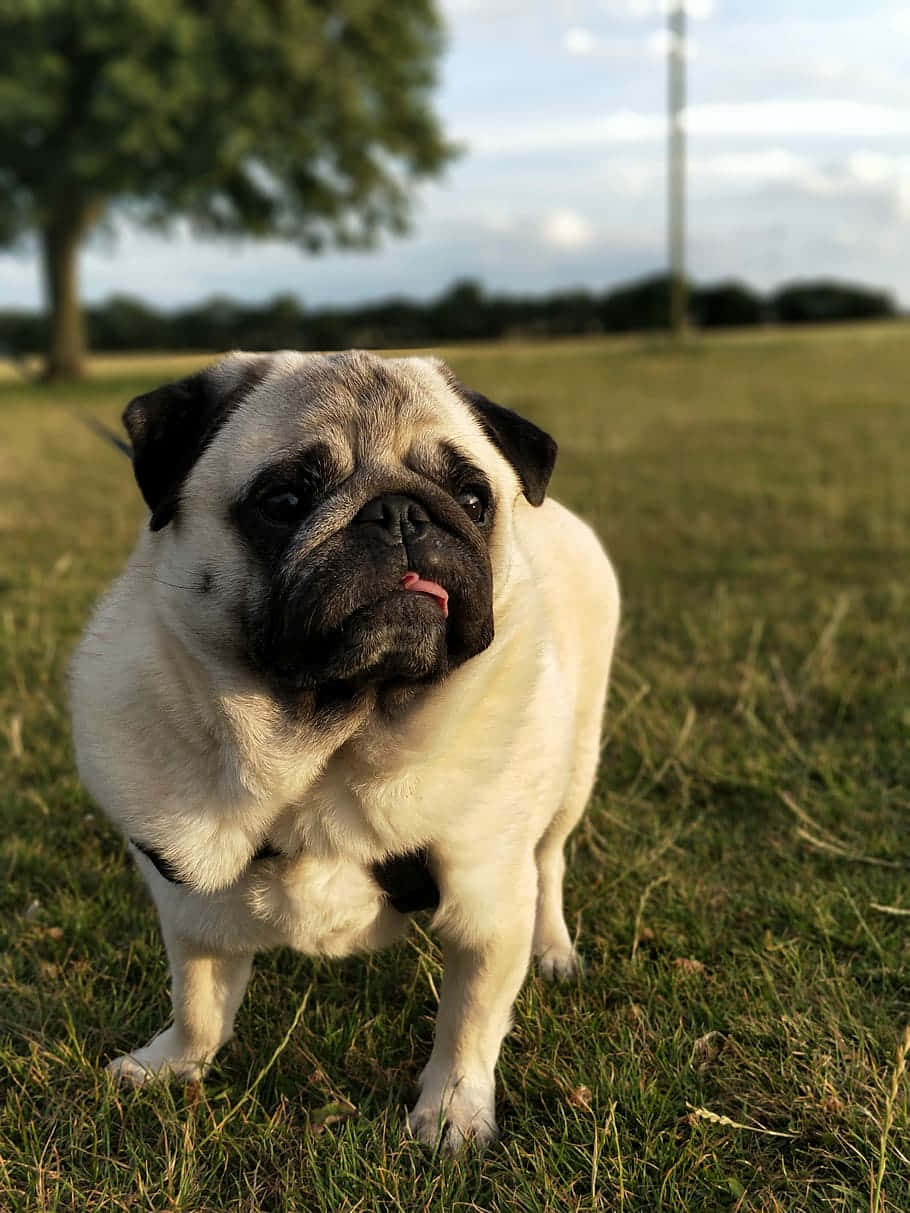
column 530, row 450
column 170, row 427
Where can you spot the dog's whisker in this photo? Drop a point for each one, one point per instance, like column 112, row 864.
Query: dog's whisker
column 173, row 585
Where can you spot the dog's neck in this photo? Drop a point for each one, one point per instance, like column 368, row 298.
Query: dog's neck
column 260, row 749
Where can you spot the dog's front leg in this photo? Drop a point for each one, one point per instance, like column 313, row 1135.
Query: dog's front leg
column 206, row 991
column 486, row 935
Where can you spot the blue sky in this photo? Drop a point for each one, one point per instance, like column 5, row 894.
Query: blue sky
column 799, row 161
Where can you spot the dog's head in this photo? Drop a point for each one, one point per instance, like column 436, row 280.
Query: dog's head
column 331, row 522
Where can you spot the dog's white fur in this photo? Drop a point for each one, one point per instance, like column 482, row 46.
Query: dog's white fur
column 490, row 769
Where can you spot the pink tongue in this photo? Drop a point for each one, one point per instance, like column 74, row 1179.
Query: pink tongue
column 413, row 581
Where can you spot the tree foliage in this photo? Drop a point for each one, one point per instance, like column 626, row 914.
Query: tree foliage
column 303, row 119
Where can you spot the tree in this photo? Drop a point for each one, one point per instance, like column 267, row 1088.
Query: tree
column 642, row 304
column 724, row 304
column 303, row 119
column 825, row 300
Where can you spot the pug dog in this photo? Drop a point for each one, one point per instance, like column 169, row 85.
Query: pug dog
column 355, row 668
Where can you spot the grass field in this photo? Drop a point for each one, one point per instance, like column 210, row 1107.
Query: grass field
column 741, row 884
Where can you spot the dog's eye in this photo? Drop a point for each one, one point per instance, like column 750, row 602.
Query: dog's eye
column 472, row 504
column 282, row 506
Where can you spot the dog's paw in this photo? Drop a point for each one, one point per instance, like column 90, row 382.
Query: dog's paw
column 157, row 1061
column 464, row 1116
column 559, row 962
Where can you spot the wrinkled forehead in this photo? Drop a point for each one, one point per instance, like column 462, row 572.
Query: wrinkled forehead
column 367, row 410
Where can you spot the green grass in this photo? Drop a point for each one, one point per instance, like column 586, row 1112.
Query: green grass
column 741, row 883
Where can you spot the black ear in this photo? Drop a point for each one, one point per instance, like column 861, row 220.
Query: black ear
column 170, row 427
column 530, row 450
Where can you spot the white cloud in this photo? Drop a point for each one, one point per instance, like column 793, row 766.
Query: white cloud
column 769, row 166
column 638, row 10
column 567, row 230
column 875, row 171
column 870, row 168
column 634, row 10
column 578, row 41
column 792, row 117
column 752, row 120
column 727, row 174
column 539, row 134
column 582, row 42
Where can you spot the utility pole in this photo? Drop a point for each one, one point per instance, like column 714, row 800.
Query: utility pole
column 676, row 164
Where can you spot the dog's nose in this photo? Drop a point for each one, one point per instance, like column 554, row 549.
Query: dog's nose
column 394, row 518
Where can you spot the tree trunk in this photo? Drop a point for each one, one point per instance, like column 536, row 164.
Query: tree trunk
column 60, row 240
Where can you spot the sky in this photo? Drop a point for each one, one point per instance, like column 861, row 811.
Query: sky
column 798, row 123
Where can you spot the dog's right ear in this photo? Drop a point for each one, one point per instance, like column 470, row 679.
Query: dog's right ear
column 170, row 427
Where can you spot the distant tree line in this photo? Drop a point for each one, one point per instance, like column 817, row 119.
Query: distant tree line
column 465, row 312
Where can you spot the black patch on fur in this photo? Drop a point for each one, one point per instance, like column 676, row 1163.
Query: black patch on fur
column 206, row 582
column 169, row 872
column 310, row 474
column 164, row 866
column 171, row 426
column 530, row 450
column 407, row 881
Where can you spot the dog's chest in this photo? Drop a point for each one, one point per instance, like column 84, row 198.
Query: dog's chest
column 355, row 812
column 354, row 848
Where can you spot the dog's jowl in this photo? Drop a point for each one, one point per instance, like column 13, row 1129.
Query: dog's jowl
column 355, row 668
